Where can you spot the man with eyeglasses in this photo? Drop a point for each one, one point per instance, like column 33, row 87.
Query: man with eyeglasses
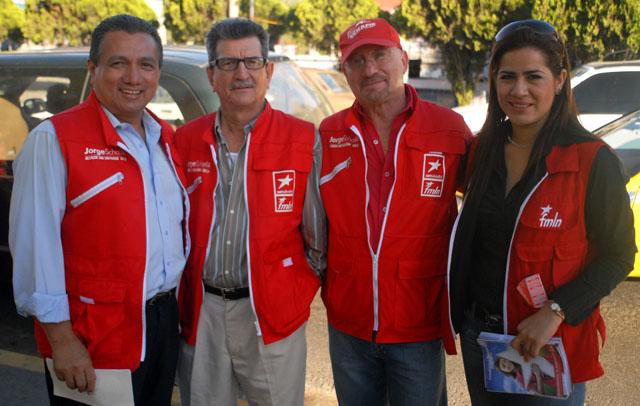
column 257, row 230
column 391, row 165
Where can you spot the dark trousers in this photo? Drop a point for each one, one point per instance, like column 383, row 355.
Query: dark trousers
column 153, row 380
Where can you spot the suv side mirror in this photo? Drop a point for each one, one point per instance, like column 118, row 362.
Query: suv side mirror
column 32, row 106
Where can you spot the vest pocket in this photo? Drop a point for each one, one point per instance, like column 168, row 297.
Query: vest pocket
column 568, row 261
column 336, row 169
column 347, row 292
column 97, row 313
column 289, row 287
column 97, row 189
column 419, row 292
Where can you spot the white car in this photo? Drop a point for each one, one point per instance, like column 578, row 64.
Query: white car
column 603, row 91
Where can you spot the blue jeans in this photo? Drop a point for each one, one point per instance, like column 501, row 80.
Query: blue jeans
column 369, row 374
column 474, row 372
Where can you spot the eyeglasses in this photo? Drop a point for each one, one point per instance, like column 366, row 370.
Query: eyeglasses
column 231, row 64
column 378, row 58
column 537, row 26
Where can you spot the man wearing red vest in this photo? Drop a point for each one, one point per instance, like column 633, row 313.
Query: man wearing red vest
column 390, row 169
column 257, row 229
column 96, row 226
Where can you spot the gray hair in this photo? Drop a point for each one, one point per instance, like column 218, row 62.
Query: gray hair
column 122, row 22
column 235, row 28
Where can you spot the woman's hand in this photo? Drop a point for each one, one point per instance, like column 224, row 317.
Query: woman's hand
column 535, row 331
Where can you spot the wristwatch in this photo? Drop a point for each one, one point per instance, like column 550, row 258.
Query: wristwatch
column 556, row 309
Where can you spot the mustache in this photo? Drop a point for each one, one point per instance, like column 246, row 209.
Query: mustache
column 242, row 84
column 372, row 79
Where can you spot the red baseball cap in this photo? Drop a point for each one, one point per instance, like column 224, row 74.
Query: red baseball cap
column 376, row 31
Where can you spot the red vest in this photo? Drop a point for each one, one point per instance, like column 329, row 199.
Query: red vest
column 282, row 285
column 397, row 288
column 103, row 236
column 550, row 240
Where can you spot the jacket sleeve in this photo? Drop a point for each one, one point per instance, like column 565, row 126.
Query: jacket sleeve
column 609, row 226
column 314, row 223
column 38, row 203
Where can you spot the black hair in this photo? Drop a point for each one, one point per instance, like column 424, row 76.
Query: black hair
column 235, row 28
column 122, row 22
column 562, row 120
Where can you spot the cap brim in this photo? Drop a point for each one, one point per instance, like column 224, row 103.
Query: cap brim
column 366, row 41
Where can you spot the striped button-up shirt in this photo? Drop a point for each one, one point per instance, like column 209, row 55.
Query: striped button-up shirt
column 226, row 264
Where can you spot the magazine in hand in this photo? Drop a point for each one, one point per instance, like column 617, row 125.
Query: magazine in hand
column 506, row 371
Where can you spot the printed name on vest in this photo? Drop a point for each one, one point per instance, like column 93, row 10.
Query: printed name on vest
column 344, row 141
column 433, row 174
column 284, row 184
column 198, row 166
column 104, row 154
column 545, row 221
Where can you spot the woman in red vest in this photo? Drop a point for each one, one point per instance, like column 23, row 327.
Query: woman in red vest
column 546, row 230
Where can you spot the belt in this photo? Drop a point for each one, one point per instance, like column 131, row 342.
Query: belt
column 228, row 293
column 166, row 294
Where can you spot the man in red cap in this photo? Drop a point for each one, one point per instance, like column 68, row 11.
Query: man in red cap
column 391, row 166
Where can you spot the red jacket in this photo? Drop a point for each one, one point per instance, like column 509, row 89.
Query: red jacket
column 550, row 239
column 282, row 284
column 398, row 287
column 104, row 236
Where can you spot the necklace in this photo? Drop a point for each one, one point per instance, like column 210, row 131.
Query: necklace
column 517, row 144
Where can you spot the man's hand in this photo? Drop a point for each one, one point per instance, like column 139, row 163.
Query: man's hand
column 535, row 331
column 71, row 361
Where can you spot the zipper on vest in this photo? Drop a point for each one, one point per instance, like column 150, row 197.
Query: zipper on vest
column 341, row 166
column 143, row 346
column 505, row 321
column 196, row 182
column 185, row 201
column 452, row 238
column 248, row 248
column 95, row 190
column 376, row 320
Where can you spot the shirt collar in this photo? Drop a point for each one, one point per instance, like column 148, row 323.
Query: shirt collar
column 410, row 97
column 151, row 126
column 218, row 127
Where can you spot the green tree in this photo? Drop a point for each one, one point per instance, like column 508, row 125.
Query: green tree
column 70, row 22
column 320, row 22
column 592, row 28
column 271, row 14
column 463, row 31
column 189, row 20
column 11, row 20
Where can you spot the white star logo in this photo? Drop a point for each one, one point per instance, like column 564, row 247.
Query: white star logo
column 434, row 166
column 286, row 181
column 545, row 210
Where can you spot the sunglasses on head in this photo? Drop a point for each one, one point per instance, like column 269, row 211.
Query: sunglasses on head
column 537, row 26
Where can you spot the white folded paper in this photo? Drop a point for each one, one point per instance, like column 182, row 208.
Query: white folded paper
column 113, row 388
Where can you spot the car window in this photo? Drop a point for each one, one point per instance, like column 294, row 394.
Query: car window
column 28, row 96
column 609, row 93
column 165, row 107
column 290, row 93
column 624, row 137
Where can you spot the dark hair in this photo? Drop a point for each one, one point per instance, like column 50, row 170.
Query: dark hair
column 235, row 28
column 122, row 22
column 561, row 122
